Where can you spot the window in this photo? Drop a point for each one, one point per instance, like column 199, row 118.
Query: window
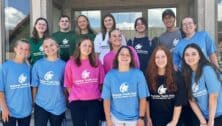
column 125, row 22
column 17, row 22
column 94, row 17
column 155, row 24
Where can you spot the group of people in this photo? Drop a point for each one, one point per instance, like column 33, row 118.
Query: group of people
column 172, row 80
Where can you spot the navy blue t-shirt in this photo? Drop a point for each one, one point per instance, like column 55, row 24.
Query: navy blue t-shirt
column 144, row 48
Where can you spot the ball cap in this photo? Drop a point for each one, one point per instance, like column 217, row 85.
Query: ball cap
column 168, row 12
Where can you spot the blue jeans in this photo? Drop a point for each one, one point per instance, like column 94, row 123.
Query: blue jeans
column 21, row 121
column 42, row 116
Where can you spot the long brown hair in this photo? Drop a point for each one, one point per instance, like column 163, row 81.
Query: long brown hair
column 35, row 34
column 90, row 30
column 104, row 30
column 92, row 56
column 152, row 71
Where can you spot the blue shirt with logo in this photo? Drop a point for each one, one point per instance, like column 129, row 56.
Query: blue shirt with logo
column 15, row 84
column 47, row 76
column 202, row 39
column 206, row 85
column 124, row 89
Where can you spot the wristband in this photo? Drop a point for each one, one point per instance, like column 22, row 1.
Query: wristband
column 142, row 117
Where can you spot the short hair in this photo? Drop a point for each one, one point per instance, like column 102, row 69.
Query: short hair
column 64, row 16
column 168, row 12
column 143, row 20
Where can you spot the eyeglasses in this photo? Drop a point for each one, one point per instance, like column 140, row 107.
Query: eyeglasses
column 187, row 23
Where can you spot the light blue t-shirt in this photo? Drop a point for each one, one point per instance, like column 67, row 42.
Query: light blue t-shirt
column 207, row 84
column 15, row 84
column 202, row 39
column 124, row 89
column 47, row 76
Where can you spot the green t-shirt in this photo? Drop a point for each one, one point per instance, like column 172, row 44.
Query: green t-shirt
column 36, row 50
column 88, row 35
column 67, row 43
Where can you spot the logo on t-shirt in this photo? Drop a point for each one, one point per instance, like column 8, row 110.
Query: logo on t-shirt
column 48, row 76
column 138, row 46
column 162, row 90
column 65, row 41
column 123, row 87
column 41, row 48
column 175, row 41
column 85, row 74
column 23, row 82
column 22, row 78
column 195, row 87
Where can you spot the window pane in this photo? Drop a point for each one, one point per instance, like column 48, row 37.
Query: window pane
column 17, row 22
column 125, row 22
column 155, row 24
column 93, row 16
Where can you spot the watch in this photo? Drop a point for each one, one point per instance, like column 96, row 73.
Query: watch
column 142, row 117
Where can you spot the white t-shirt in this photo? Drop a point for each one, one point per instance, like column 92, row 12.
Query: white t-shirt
column 102, row 46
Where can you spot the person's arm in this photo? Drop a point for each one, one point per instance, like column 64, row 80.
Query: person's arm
column 197, row 112
column 213, row 86
column 176, row 58
column 212, row 108
column 5, row 111
column 176, row 116
column 213, row 59
column 148, row 118
column 34, row 91
column 106, row 104
column 142, row 111
column 68, row 80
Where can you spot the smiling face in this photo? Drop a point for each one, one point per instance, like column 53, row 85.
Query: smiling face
column 82, row 23
column 41, row 26
column 22, row 50
column 115, row 38
column 64, row 24
column 191, row 57
column 188, row 26
column 108, row 23
column 161, row 59
column 140, row 26
column 50, row 47
column 169, row 21
column 85, row 48
column 124, row 57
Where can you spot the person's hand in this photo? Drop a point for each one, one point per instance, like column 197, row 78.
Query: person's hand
column 140, row 122
column 5, row 115
column 210, row 123
column 172, row 123
column 109, row 123
column 203, row 123
column 149, row 122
